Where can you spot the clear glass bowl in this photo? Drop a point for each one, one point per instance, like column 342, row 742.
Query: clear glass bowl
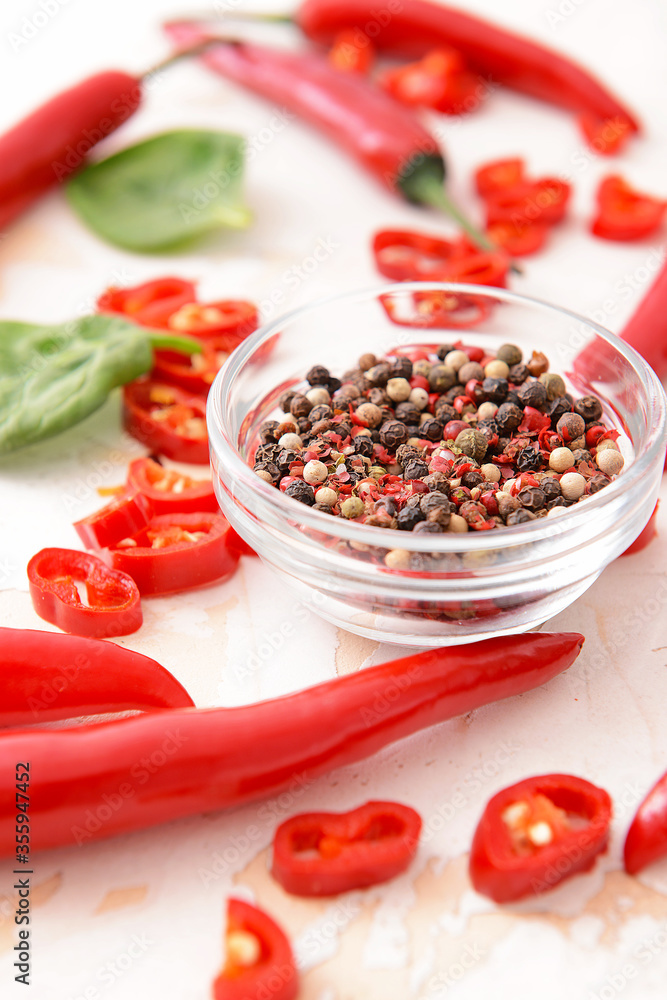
column 467, row 586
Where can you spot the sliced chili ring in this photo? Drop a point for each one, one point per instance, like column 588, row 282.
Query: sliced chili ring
column 499, row 175
column 436, row 310
column 537, row 833
column 113, row 603
column 167, row 420
column 231, row 317
column 518, row 241
column 124, row 516
column 169, row 491
column 259, row 961
column 403, row 255
column 176, row 552
column 151, row 303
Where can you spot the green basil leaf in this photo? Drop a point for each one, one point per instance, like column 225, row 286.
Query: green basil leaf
column 51, row 377
column 162, row 192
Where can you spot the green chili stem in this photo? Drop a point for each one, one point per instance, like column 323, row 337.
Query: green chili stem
column 174, row 342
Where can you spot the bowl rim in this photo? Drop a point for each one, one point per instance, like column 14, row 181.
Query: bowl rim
column 241, row 473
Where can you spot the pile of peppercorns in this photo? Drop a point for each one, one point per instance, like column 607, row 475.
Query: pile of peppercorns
column 458, row 441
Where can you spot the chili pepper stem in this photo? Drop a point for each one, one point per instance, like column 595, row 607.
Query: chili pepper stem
column 427, row 189
column 194, row 50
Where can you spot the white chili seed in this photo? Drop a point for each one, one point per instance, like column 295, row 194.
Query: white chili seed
column 540, row 833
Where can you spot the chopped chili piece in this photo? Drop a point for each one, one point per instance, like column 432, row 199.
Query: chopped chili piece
column 233, row 318
column 48, row 675
column 176, row 552
column 626, row 214
column 112, row 604
column 499, row 175
column 480, row 268
column 151, row 303
column 606, row 136
column 537, row 833
column 518, row 240
column 440, row 80
column 352, row 52
column 646, row 840
column 409, row 256
column 169, row 491
column 436, row 310
column 323, row 854
column 258, row 960
column 124, row 516
column 543, row 200
column 167, row 420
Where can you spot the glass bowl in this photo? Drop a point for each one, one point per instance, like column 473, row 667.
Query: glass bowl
column 464, row 586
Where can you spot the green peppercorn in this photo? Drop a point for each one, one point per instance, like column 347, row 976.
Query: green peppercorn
column 352, row 507
column 472, row 443
column 510, row 354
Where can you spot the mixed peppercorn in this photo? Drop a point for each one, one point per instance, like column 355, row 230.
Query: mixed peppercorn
column 454, row 441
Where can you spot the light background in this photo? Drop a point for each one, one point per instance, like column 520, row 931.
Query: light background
column 142, row 915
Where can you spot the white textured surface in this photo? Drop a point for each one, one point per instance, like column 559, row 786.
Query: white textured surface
column 428, row 934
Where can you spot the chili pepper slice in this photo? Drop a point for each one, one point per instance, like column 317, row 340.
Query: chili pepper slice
column 113, row 604
column 229, row 318
column 436, row 310
column 151, row 303
column 49, row 675
column 352, row 52
column 122, row 517
column 440, row 80
column 259, row 960
column 543, row 200
column 194, row 373
column 537, row 833
column 481, row 268
column 646, row 840
column 625, row 214
column 404, row 255
column 323, row 854
column 228, row 756
column 167, row 420
column 169, row 491
column 176, row 552
column 605, row 136
column 499, row 175
column 517, row 240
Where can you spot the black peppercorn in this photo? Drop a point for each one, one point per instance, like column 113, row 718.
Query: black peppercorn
column 518, row 374
column 318, row 375
column 324, row 507
column 520, row 516
column 286, row 399
column 267, row 431
column 472, row 479
column 363, row 445
column 304, row 425
column 513, row 397
column 445, row 411
column 441, row 378
column 320, row 412
column 529, row 459
column 556, row 502
column 432, row 429
column 559, row 406
column 298, row 490
column 433, row 501
column 597, row 483
column 333, row 384
column 570, row 426
column 393, row 433
column 581, row 455
column 415, row 469
column 495, row 389
column 550, row 487
column 440, row 515
column 321, row 427
column 532, row 498
column 533, row 394
column 429, row 527
column 408, row 517
column 444, row 350
column 508, row 417
column 378, row 396
column 379, row 374
column 407, row 412
column 405, row 452
column 386, row 503
column 588, row 407
column 269, row 467
column 451, row 394
column 285, row 458
column 267, row 452
column 437, row 482
column 401, row 368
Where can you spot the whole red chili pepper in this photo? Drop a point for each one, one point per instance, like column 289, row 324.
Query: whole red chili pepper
column 259, row 962
column 412, row 28
column 114, row 605
column 48, row 675
column 646, row 840
column 323, row 854
column 176, row 552
column 646, row 330
column 536, row 833
column 222, row 757
column 382, row 135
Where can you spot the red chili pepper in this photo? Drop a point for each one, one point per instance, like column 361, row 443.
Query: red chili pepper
column 151, row 303
column 48, row 675
column 52, row 142
column 626, row 214
column 417, row 26
column 543, row 200
column 258, row 962
column 122, row 517
column 167, row 420
column 176, row 552
column 440, row 80
column 499, row 175
column 408, row 256
column 348, row 55
column 646, row 330
column 194, row 373
column 436, row 310
column 537, row 833
column 169, row 491
column 605, row 136
column 518, row 240
column 113, row 605
column 219, row 758
column 646, row 536
column 323, row 854
column 646, row 840
column 226, row 322
column 478, row 268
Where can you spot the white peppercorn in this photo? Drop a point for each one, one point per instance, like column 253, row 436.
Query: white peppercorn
column 609, row 461
column 572, row 485
column 397, row 559
column 291, row 441
column 326, row 496
column 398, row 389
column 497, row 369
column 419, row 398
column 490, row 472
column 457, row 523
column 352, row 507
column 315, row 472
column 561, row 459
column 456, row 359
column 487, row 411
column 318, row 395
column 606, row 444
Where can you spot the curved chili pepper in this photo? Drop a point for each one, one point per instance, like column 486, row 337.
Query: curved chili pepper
column 167, row 420
column 222, row 757
column 259, row 962
column 48, row 675
column 323, row 854
column 414, row 27
column 52, row 142
column 124, row 516
column 151, row 303
column 646, row 330
column 625, row 214
column 537, row 833
column 646, row 840
column 176, row 552
column 113, row 608
column 169, row 491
